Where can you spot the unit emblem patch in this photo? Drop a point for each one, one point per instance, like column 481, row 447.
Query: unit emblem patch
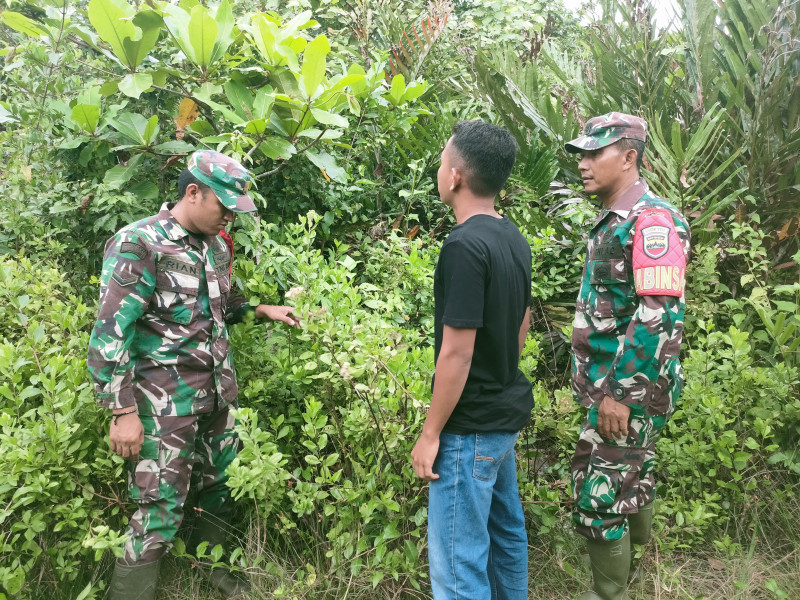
column 655, row 241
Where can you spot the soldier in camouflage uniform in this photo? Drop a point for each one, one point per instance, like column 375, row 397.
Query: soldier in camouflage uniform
column 626, row 340
column 160, row 360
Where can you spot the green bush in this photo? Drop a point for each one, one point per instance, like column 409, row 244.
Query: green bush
column 59, row 487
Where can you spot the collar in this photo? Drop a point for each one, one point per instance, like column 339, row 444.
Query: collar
column 629, row 198
column 173, row 229
column 626, row 202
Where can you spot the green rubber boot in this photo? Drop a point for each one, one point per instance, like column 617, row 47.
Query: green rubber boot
column 136, row 582
column 611, row 562
column 640, row 525
column 215, row 531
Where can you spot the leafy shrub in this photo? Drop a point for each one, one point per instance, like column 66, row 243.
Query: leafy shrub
column 58, row 489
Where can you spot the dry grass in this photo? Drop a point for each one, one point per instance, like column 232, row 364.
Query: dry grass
column 557, row 572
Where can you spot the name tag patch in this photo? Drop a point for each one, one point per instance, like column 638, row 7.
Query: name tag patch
column 655, row 240
column 174, row 265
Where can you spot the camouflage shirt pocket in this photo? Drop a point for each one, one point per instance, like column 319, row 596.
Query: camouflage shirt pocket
column 611, row 292
column 175, row 300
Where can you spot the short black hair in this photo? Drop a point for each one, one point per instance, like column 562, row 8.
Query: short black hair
column 488, row 152
column 184, row 179
column 626, row 144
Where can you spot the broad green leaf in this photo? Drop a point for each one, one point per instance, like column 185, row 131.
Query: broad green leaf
column 413, row 91
column 174, row 147
column 240, row 99
column 70, row 144
column 134, row 84
column 326, row 134
column 264, row 34
column 177, row 21
column 361, row 86
column 204, row 96
column 269, row 41
column 86, row 116
column 202, row 35
column 109, row 88
column 277, row 148
column 326, row 163
column 255, row 127
column 313, row 70
column 131, row 125
column 398, row 89
column 146, row 190
column 328, row 118
column 224, row 19
column 265, row 98
column 151, row 131
column 353, row 105
column 159, row 77
column 112, row 20
column 21, row 23
column 300, row 22
column 352, row 79
column 121, row 174
column 148, row 25
column 90, row 95
column 217, row 139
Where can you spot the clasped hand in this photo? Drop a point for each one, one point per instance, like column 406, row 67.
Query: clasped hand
column 612, row 419
column 126, row 436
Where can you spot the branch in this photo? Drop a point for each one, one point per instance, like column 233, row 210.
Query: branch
column 282, row 166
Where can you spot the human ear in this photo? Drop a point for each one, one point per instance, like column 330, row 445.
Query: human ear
column 455, row 179
column 629, row 158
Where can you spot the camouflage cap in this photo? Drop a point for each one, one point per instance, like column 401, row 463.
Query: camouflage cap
column 226, row 177
column 612, row 127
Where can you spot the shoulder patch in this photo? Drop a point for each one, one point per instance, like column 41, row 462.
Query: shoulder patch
column 134, row 249
column 659, row 263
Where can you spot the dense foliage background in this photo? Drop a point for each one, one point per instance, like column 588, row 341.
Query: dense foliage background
column 341, row 108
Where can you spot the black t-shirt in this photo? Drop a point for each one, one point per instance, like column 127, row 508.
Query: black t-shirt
column 483, row 282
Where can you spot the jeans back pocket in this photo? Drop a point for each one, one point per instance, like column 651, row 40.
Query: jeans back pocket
column 491, row 449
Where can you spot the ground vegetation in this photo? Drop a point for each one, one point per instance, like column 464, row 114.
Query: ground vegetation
column 341, row 109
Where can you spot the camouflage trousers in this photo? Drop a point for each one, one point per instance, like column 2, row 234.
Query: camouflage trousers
column 177, row 452
column 613, row 478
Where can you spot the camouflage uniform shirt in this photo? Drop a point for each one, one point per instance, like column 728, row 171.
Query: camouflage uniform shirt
column 161, row 342
column 626, row 346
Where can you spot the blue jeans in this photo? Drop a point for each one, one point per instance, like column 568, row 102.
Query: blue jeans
column 477, row 543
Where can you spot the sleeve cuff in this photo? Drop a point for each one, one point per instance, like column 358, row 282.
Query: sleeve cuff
column 238, row 314
column 113, row 400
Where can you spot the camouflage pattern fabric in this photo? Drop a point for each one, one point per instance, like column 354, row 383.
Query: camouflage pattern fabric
column 623, row 345
column 161, row 341
column 612, row 479
column 626, row 347
column 159, row 482
column 607, row 129
column 229, row 180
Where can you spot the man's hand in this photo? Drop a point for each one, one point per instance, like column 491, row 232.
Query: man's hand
column 423, row 455
column 277, row 313
column 612, row 418
column 126, row 435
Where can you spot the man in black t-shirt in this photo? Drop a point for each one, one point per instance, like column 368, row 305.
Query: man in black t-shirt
column 477, row 544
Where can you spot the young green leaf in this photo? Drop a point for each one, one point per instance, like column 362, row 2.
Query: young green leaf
column 21, row 23
column 202, row 35
column 312, row 71
column 135, row 84
column 86, row 116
